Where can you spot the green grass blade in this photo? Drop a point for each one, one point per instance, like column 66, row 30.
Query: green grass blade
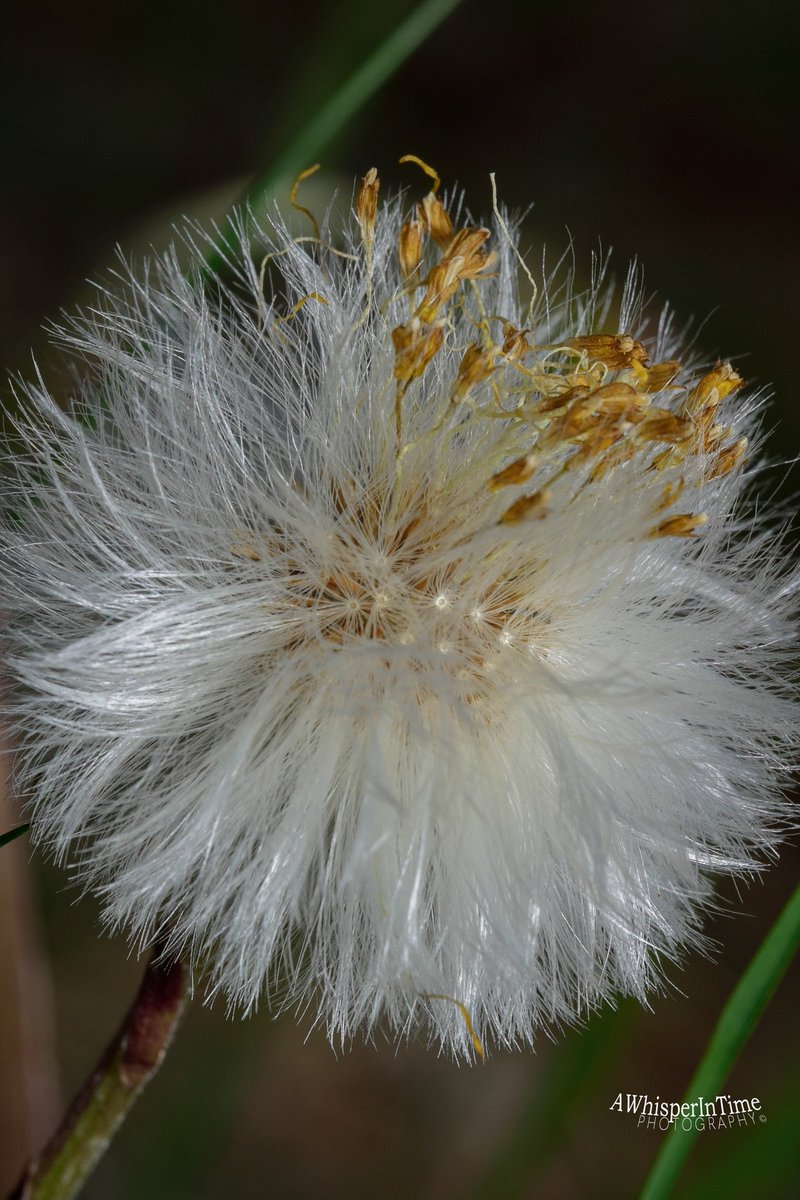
column 11, row 834
column 345, row 102
column 739, row 1018
column 763, row 1162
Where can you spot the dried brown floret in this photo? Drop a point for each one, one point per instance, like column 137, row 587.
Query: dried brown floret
column 519, row 471
column 682, row 525
column 367, row 205
column 527, row 506
column 615, row 350
column 414, row 347
column 436, row 219
column 410, row 246
column 476, row 365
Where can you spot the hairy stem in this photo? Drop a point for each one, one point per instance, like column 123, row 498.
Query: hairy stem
column 131, row 1059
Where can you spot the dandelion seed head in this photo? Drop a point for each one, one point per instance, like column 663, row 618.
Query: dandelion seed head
column 386, row 638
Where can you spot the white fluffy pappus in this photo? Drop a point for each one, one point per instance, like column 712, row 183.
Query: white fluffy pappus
column 392, row 646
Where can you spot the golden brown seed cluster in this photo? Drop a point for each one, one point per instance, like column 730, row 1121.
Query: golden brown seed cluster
column 588, row 400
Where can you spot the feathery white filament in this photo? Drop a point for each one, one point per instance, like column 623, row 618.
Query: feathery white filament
column 356, row 725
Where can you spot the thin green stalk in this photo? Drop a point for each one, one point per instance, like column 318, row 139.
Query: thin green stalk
column 130, row 1061
column 12, row 834
column 739, row 1018
column 345, row 102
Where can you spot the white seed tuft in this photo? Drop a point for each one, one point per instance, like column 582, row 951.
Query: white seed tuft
column 358, row 645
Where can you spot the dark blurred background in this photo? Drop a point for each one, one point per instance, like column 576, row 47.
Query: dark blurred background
column 666, row 131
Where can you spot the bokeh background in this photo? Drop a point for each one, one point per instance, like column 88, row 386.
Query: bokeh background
column 667, row 132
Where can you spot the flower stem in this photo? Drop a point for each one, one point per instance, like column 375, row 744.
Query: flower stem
column 131, row 1059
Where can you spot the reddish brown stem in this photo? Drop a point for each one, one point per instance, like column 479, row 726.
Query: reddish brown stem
column 131, row 1059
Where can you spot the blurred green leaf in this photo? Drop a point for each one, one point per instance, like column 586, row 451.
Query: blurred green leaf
column 343, row 103
column 739, row 1018
column 12, row 834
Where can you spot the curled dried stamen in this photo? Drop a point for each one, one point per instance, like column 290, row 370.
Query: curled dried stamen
column 293, row 196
